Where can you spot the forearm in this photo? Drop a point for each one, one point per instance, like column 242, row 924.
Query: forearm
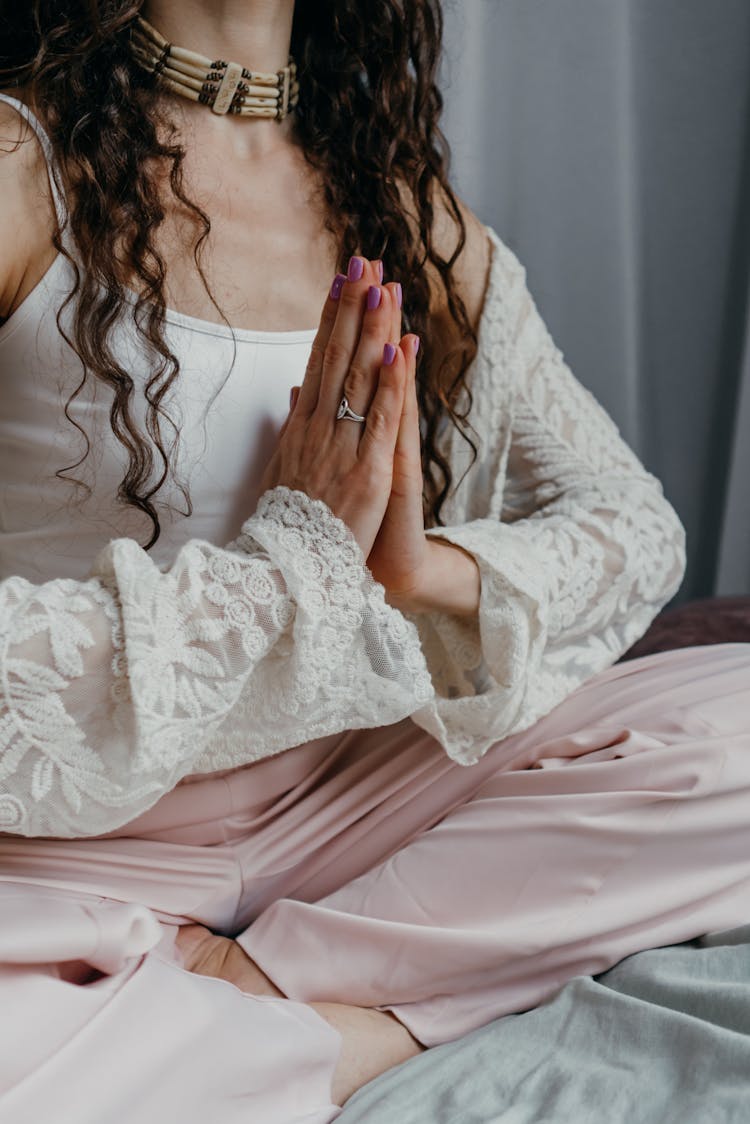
column 139, row 676
column 449, row 582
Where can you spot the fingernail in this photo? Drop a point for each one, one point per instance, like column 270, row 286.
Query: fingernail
column 338, row 284
column 399, row 294
column 417, row 342
column 379, row 264
column 373, row 298
column 389, row 354
column 356, row 269
column 291, row 397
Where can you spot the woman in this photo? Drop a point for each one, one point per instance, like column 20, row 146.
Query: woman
column 250, row 647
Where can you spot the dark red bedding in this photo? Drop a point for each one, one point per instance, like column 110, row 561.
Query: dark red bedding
column 713, row 620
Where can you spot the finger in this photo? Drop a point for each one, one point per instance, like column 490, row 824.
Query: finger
column 378, row 441
column 354, row 350
column 394, row 287
column 344, row 339
column 351, row 286
column 361, row 379
column 410, row 344
column 293, row 397
column 311, row 382
column 408, row 442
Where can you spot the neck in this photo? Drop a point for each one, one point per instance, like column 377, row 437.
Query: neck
column 255, row 33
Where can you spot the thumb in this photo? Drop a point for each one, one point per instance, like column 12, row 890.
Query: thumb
column 293, row 396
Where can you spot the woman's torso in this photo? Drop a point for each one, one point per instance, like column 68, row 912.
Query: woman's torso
column 230, row 399
column 228, row 405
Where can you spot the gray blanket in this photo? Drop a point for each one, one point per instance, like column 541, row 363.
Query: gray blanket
column 661, row 1038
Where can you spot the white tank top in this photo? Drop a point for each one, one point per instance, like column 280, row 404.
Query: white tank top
column 228, row 407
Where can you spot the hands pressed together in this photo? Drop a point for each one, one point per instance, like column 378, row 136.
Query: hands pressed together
column 370, row 473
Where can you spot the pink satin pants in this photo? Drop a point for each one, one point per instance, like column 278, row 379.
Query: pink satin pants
column 368, row 868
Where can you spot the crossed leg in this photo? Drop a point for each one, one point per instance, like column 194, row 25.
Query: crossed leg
column 371, row 1041
column 627, row 828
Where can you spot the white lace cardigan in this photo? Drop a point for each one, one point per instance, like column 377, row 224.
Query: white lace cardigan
column 115, row 688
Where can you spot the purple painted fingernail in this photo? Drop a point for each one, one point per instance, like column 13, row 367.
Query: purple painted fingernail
column 389, row 354
column 399, row 294
column 417, row 342
column 356, row 268
column 379, row 264
column 337, row 286
column 373, row 298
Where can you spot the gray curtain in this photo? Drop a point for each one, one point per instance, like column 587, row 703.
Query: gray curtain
column 608, row 143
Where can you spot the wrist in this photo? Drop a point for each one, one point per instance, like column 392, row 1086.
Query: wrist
column 448, row 581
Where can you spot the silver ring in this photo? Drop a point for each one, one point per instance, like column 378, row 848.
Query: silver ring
column 344, row 411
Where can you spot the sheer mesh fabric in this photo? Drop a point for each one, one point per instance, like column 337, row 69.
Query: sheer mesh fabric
column 116, row 687
column 577, row 546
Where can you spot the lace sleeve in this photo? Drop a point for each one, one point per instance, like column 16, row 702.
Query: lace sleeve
column 585, row 554
column 116, row 687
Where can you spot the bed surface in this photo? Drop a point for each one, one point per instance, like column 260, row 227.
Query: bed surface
column 713, row 620
column 661, row 1038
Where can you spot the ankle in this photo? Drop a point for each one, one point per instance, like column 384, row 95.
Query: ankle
column 372, row 1042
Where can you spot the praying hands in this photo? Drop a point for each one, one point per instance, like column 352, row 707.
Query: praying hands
column 352, row 440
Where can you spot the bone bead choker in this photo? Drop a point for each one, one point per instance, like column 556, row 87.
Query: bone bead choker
column 227, row 87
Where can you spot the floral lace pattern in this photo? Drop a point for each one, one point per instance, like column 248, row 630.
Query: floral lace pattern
column 577, row 547
column 115, row 688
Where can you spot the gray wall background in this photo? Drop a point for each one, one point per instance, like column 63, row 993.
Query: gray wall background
column 608, row 143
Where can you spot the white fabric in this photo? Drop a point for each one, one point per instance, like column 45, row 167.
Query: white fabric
column 119, row 684
column 222, row 461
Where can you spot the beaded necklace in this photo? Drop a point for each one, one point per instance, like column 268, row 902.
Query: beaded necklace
column 226, row 87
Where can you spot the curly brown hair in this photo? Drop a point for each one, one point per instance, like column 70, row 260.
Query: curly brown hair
column 368, row 120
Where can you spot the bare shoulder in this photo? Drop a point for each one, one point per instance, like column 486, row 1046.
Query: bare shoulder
column 27, row 215
column 472, row 264
column 470, row 254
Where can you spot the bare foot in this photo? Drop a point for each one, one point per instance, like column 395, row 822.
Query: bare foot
column 372, row 1041
column 208, row 955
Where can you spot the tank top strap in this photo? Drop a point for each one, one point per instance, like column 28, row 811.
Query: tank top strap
column 33, row 121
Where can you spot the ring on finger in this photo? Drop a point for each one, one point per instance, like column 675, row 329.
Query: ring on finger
column 345, row 412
